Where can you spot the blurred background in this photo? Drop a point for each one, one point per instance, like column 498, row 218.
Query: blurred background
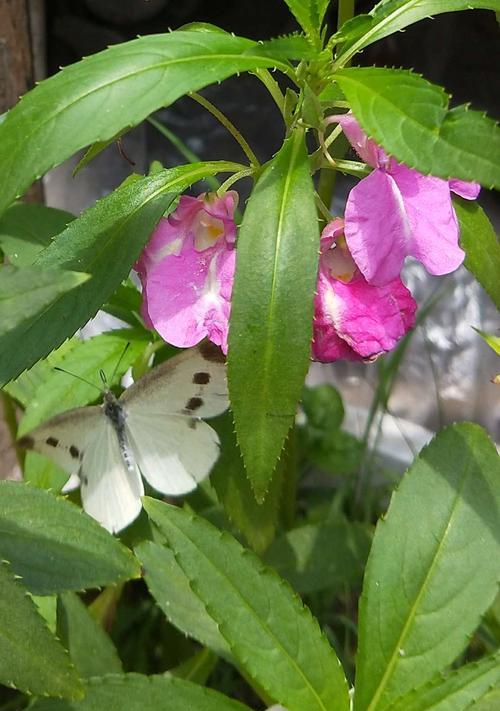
column 446, row 370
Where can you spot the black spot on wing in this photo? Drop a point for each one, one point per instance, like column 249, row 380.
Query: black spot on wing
column 194, row 403
column 211, row 352
column 193, row 424
column 26, row 442
column 201, row 378
column 52, row 441
column 74, row 451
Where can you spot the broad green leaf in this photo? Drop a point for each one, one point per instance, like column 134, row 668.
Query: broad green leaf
column 323, row 408
column 54, row 546
column 272, row 308
column 272, row 635
column 25, row 294
column 90, row 648
column 391, row 16
column 107, row 352
column 135, row 692
column 25, row 229
column 410, row 118
column 294, row 46
column 481, row 246
column 170, row 587
column 433, row 568
column 321, row 556
column 256, row 521
column 490, row 339
column 309, row 14
column 455, row 692
column 110, row 91
column 104, row 241
column 489, row 702
column 31, row 659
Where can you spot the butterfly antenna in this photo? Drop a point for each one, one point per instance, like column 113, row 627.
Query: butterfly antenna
column 78, row 377
column 127, row 345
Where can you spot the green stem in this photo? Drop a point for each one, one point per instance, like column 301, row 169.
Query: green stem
column 273, row 88
column 326, row 186
column 227, row 125
column 233, row 179
column 184, row 150
column 346, row 11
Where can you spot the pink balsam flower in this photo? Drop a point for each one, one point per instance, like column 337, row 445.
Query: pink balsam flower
column 187, row 271
column 396, row 212
column 353, row 319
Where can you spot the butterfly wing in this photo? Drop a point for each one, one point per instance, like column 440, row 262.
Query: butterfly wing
column 173, row 452
column 63, row 438
column 192, row 383
column 111, row 492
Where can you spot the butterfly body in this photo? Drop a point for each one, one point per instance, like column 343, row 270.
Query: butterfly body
column 153, row 429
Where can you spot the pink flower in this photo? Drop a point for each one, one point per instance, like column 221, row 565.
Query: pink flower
column 352, row 318
column 187, row 271
column 396, row 212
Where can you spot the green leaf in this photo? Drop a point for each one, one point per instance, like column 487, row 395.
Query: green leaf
column 135, row 692
column 198, row 667
column 286, row 47
column 456, row 692
column 23, row 389
column 92, row 651
column 489, row 702
column 323, row 408
column 391, row 16
column 272, row 308
column 433, row 569
column 31, row 659
column 256, row 521
column 481, row 246
column 63, row 391
column 125, row 304
column 170, row 587
column 321, row 556
column 25, row 229
column 271, row 634
column 54, row 546
column 309, row 14
column 110, row 91
column 104, row 241
column 25, row 294
column 410, row 118
column 94, row 150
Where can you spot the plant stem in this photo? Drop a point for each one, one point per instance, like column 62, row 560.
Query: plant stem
column 273, row 88
column 227, row 125
column 326, row 186
column 345, row 12
column 183, row 149
column 233, row 179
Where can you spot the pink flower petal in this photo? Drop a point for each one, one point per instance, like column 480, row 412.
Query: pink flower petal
column 433, row 224
column 377, row 229
column 372, row 319
column 466, row 190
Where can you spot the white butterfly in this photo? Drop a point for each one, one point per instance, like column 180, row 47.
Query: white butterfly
column 153, row 429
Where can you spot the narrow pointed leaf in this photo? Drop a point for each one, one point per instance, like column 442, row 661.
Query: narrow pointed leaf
column 309, row 14
column 26, row 293
column 257, row 521
column 410, row 118
column 271, row 634
column 433, row 569
column 168, row 584
column 481, row 246
column 31, row 658
column 135, row 692
column 92, row 651
column 104, row 241
column 460, row 690
column 54, row 546
column 112, row 90
column 391, row 16
column 272, row 308
column 27, row 228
